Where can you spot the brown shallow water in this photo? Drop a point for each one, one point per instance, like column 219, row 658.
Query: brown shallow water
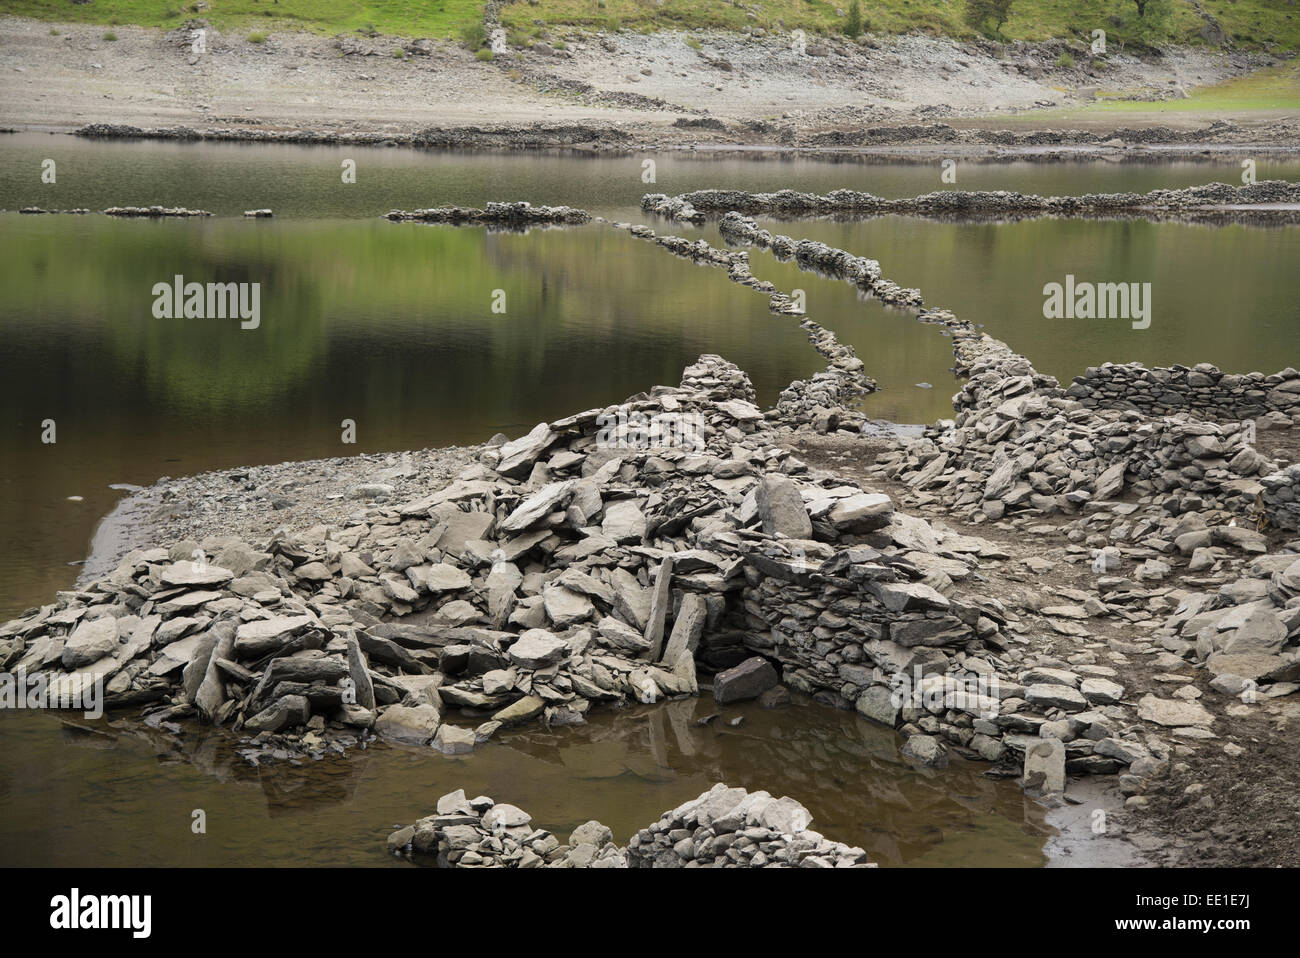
column 115, row 792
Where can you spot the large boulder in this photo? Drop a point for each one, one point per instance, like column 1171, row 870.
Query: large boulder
column 748, row 680
column 537, row 649
column 781, row 508
column 408, row 724
column 90, row 642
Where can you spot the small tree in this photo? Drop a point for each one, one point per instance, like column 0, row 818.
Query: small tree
column 853, row 25
column 979, row 13
column 1157, row 22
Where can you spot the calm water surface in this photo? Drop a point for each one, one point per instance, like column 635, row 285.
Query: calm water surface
column 114, row 792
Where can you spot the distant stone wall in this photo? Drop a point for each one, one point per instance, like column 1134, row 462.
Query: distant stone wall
column 1202, row 390
column 1282, row 497
column 1018, row 443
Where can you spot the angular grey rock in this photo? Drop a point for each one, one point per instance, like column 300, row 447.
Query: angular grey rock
column 518, row 455
column 781, row 508
column 748, row 680
column 622, row 637
column 877, row 704
column 565, row 608
column 410, row 725
column 453, row 740
column 212, row 690
column 550, row 498
column 862, row 512
column 1056, row 696
column 1045, row 767
column 1262, row 633
column 1101, row 691
column 288, row 712
column 659, row 599
column 1173, row 713
column 359, row 672
column 186, row 573
column 926, row 750
column 256, row 638
column 624, row 522
column 90, row 642
column 688, row 627
column 537, row 648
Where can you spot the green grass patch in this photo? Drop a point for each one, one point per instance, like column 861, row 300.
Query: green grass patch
column 1274, row 89
column 433, row 18
column 1248, row 23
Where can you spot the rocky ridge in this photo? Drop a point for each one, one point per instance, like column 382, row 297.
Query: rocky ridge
column 519, row 214
column 965, row 204
column 825, row 402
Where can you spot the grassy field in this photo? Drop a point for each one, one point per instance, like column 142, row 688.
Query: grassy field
column 1274, row 89
column 1252, row 23
column 406, row 18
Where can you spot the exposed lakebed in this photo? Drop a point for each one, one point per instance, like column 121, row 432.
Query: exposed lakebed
column 390, row 325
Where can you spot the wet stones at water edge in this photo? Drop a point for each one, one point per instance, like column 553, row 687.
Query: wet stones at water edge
column 563, row 571
column 483, row 833
column 722, row 828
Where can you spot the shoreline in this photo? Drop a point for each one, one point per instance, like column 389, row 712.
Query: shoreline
column 504, row 142
column 714, row 92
